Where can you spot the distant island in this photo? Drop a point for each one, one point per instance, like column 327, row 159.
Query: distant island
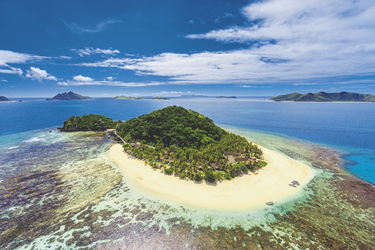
column 226, row 96
column 140, row 97
column 3, row 99
column 178, row 141
column 325, row 97
column 69, row 96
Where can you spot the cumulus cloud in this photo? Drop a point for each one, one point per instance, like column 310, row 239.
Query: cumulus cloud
column 81, row 78
column 9, row 57
column 286, row 41
column 91, row 51
column 39, row 74
column 88, row 81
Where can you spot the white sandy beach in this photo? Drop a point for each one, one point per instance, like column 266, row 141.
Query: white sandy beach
column 246, row 192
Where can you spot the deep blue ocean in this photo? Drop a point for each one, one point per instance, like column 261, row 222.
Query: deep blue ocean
column 348, row 127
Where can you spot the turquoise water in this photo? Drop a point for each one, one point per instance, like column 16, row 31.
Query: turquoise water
column 59, row 190
column 345, row 126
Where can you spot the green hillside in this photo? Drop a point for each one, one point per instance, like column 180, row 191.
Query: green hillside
column 325, row 97
column 186, row 143
column 88, row 123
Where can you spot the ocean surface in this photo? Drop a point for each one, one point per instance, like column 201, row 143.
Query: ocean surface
column 348, row 127
column 59, row 190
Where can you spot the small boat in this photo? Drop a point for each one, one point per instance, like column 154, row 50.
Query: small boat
column 296, row 182
column 270, row 203
column 292, row 185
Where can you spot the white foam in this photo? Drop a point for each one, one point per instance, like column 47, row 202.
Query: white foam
column 35, row 139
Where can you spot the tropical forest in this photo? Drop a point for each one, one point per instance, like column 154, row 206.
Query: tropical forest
column 185, row 143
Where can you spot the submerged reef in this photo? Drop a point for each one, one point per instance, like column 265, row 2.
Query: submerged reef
column 64, row 193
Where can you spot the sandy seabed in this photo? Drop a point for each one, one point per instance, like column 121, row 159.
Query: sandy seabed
column 242, row 193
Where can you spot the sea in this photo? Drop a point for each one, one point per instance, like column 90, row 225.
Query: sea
column 60, row 190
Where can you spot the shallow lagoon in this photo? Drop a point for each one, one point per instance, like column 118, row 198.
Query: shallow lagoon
column 54, row 193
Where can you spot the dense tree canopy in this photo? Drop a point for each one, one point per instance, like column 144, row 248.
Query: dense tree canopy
column 88, row 123
column 186, row 143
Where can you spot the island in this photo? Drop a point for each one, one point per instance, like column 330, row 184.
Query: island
column 325, row 97
column 179, row 141
column 69, row 96
column 3, row 99
column 178, row 155
column 139, row 97
column 226, row 96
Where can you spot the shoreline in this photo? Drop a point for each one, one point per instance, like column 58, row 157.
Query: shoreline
column 247, row 192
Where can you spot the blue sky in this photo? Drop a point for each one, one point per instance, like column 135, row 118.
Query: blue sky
column 175, row 47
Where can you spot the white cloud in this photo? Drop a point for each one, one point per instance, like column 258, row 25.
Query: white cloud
column 9, row 57
column 289, row 41
column 196, row 21
column 226, row 15
column 3, row 80
column 97, row 28
column 87, row 81
column 110, row 78
column 39, row 74
column 81, row 78
column 91, row 51
column 65, row 57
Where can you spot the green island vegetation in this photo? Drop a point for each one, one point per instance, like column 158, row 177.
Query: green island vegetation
column 3, row 99
column 326, row 97
column 128, row 97
column 88, row 123
column 139, row 97
column 188, row 144
column 226, row 96
column 69, row 96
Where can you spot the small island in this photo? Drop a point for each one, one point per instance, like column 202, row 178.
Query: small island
column 183, row 143
column 67, row 96
column 325, row 97
column 4, row 99
column 226, row 96
column 179, row 141
column 139, row 98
